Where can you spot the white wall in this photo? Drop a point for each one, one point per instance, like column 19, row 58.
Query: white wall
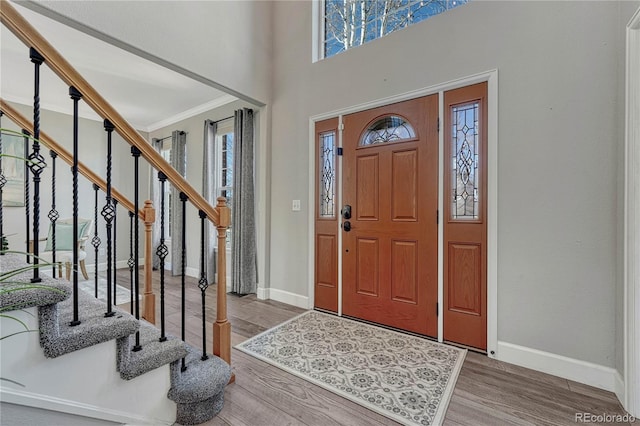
column 226, row 42
column 559, row 140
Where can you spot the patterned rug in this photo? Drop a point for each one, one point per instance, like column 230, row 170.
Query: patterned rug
column 406, row 378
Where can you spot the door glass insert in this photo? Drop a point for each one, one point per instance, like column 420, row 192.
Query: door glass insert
column 464, row 171
column 327, row 174
column 391, row 128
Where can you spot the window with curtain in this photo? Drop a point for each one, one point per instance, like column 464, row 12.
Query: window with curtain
column 223, row 152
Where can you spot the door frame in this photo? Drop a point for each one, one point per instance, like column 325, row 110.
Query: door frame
column 491, row 77
column 631, row 389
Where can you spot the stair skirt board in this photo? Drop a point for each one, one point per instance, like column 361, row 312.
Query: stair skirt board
column 86, row 378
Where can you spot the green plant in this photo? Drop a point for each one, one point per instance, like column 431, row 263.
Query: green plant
column 4, row 244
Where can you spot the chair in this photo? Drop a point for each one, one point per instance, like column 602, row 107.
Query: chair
column 65, row 242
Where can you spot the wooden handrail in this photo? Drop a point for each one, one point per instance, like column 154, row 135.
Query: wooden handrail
column 22, row 29
column 66, row 156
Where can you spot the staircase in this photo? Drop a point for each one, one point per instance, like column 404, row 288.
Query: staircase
column 91, row 358
column 198, row 391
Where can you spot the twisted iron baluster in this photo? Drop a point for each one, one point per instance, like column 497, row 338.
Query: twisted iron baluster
column 131, row 263
column 162, row 253
column 53, row 213
column 203, row 284
column 183, row 261
column 135, row 152
column 36, row 161
column 108, row 213
column 95, row 241
column 115, row 209
column 27, row 196
column 75, row 96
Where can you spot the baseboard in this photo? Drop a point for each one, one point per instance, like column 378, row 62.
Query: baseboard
column 15, row 396
column 284, row 297
column 569, row 368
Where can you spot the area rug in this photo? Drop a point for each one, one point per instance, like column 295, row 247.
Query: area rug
column 123, row 295
column 406, row 378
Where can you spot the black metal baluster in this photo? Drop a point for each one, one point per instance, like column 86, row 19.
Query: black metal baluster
column 131, row 263
column 95, row 241
column 202, row 283
column 115, row 210
column 108, row 213
column 75, row 96
column 3, row 181
column 183, row 261
column 36, row 161
column 53, row 213
column 27, row 196
column 162, row 253
column 135, row 152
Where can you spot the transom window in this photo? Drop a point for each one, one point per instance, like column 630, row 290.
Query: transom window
column 350, row 23
column 391, row 128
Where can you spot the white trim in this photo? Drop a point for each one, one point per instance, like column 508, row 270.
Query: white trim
column 311, row 257
column 492, row 214
column 441, row 219
column 317, row 35
column 285, row 297
column 631, row 398
column 568, row 368
column 491, row 77
column 191, row 112
column 262, row 293
column 29, row 399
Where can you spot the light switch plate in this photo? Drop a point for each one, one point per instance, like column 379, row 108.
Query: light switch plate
column 295, row 206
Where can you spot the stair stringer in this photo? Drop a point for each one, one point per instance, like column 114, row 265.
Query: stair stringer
column 84, row 382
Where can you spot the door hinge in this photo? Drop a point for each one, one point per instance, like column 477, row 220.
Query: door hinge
column 437, row 309
column 339, row 151
column 438, row 124
column 341, row 126
column 437, row 217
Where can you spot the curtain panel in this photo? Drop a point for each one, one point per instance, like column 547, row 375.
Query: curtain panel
column 209, row 193
column 243, row 228
column 154, row 189
column 179, row 163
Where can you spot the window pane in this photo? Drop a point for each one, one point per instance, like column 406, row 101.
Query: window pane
column 327, row 175
column 350, row 23
column 388, row 129
column 464, row 172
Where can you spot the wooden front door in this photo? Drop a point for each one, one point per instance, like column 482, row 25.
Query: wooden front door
column 390, row 238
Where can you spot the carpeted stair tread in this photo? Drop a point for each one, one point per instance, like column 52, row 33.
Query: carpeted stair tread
column 58, row 337
column 153, row 354
column 199, row 390
column 19, row 293
column 201, row 380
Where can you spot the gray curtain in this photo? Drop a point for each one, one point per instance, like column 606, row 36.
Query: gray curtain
column 154, row 195
column 178, row 162
column 243, row 227
column 208, row 192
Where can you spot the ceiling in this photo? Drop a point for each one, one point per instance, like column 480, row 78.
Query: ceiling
column 147, row 95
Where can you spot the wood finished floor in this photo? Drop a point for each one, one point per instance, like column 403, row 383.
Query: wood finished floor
column 488, row 392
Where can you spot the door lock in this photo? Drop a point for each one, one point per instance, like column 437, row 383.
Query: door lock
column 346, row 226
column 346, row 212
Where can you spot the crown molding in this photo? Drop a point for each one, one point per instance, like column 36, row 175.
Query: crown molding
column 216, row 103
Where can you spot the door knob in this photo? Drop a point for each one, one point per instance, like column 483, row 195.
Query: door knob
column 346, row 212
column 346, row 226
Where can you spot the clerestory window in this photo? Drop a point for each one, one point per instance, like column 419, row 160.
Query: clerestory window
column 350, row 23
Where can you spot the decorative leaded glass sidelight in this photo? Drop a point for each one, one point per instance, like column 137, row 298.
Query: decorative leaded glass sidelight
column 390, row 128
column 327, row 174
column 464, row 149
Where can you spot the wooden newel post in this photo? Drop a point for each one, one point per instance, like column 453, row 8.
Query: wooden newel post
column 149, row 305
column 222, row 326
